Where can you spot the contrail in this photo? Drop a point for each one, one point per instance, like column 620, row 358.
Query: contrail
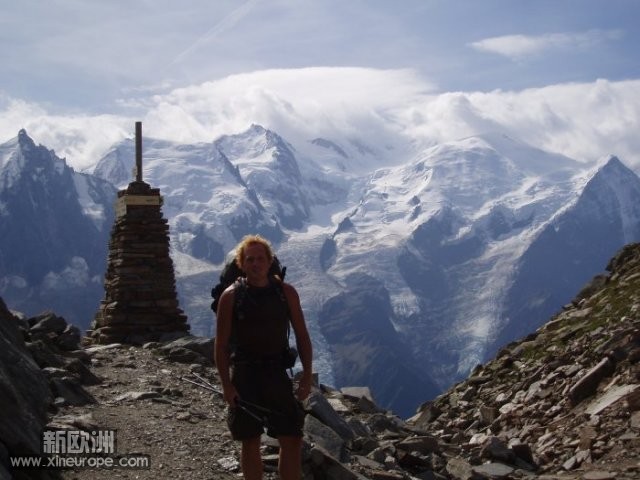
column 226, row 23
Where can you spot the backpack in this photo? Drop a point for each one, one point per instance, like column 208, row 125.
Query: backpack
column 232, row 272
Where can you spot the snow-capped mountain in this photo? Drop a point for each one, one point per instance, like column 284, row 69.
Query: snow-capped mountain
column 207, row 201
column 411, row 273
column 54, row 225
column 250, row 182
column 479, row 241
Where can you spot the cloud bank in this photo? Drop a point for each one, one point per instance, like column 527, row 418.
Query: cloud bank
column 384, row 108
column 517, row 47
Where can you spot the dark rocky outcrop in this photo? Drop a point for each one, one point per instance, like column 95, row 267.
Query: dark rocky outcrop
column 42, row 368
column 24, row 393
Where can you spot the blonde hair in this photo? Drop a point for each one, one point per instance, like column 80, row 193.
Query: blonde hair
column 252, row 240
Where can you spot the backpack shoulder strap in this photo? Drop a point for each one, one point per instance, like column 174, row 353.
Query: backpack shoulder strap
column 278, row 285
column 239, row 295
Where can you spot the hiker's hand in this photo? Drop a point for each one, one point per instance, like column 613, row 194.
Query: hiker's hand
column 230, row 395
column 304, row 387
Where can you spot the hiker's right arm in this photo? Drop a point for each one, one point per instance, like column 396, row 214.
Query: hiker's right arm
column 221, row 350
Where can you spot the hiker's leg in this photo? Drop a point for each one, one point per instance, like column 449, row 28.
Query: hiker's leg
column 290, row 462
column 251, row 460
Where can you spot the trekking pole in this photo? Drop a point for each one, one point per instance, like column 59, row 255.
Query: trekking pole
column 208, row 386
column 259, row 408
column 203, row 380
column 201, row 385
column 262, row 420
column 241, row 404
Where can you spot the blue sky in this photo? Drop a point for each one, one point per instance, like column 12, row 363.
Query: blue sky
column 93, row 62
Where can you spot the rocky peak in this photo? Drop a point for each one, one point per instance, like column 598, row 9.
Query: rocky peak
column 23, row 136
column 269, row 167
column 613, row 163
column 22, row 142
column 613, row 173
column 39, row 155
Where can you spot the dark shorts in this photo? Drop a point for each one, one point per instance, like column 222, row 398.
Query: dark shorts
column 265, row 393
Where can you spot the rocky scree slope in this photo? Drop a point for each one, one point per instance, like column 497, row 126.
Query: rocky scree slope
column 566, row 399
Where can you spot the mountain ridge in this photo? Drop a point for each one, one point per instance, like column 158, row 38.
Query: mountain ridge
column 600, row 219
column 55, row 224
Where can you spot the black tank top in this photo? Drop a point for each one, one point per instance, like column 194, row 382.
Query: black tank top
column 261, row 330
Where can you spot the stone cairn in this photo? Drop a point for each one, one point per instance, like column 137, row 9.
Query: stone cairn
column 140, row 303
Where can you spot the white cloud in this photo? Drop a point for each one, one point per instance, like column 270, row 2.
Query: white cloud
column 76, row 274
column 309, row 101
column 384, row 108
column 583, row 121
column 519, row 46
column 81, row 139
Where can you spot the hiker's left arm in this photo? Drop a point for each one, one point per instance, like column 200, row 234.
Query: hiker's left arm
column 303, row 342
column 221, row 345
